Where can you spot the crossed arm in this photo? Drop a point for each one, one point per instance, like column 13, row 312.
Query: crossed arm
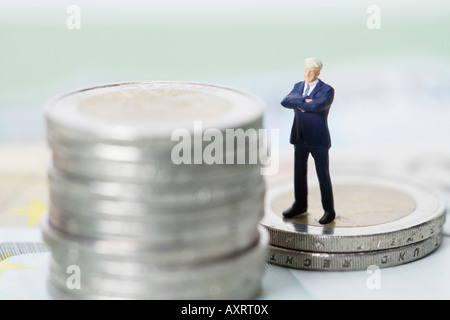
column 295, row 100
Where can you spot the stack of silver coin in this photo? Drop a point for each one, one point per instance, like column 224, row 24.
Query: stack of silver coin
column 382, row 221
column 150, row 198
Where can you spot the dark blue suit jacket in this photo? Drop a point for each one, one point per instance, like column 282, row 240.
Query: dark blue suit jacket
column 311, row 125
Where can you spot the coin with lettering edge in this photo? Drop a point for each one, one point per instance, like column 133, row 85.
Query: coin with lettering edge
column 353, row 261
column 374, row 212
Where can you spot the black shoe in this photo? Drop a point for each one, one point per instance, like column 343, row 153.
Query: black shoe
column 327, row 217
column 293, row 211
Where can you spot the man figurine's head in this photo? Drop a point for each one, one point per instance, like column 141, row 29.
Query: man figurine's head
column 312, row 69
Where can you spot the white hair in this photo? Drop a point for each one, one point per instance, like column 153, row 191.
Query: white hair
column 313, row 63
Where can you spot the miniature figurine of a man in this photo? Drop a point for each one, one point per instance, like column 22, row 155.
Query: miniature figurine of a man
column 311, row 101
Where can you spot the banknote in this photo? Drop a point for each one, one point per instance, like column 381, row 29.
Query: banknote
column 23, row 264
column 23, row 183
column 23, row 200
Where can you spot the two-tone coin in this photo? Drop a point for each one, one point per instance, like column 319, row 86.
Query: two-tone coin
column 375, row 213
column 351, row 261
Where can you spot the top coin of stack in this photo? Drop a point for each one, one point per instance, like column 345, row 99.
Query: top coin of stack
column 150, row 176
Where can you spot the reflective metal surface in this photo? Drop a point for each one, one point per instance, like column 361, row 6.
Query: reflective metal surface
column 417, row 223
column 351, row 261
column 231, row 277
column 135, row 112
column 137, row 223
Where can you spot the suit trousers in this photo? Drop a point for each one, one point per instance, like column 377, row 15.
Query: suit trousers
column 320, row 155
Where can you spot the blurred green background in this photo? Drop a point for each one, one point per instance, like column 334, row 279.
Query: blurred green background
column 253, row 45
column 187, row 39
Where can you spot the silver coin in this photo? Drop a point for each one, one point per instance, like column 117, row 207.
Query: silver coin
column 187, row 195
column 167, row 234
column 150, row 173
column 375, row 212
column 352, row 261
column 137, row 267
column 137, row 111
column 167, row 202
column 236, row 276
column 69, row 252
column 151, row 213
column 184, row 246
column 247, row 287
column 242, row 140
column 138, row 224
